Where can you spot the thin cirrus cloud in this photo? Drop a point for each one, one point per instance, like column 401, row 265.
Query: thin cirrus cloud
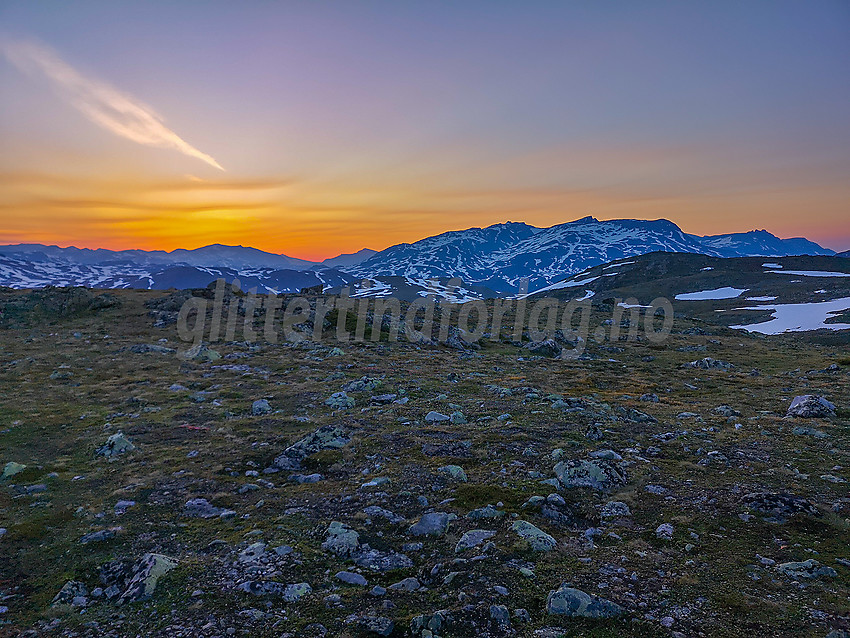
column 104, row 105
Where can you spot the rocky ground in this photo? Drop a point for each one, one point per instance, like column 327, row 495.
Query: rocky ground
column 348, row 489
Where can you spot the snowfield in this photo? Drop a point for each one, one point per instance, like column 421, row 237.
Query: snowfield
column 718, row 293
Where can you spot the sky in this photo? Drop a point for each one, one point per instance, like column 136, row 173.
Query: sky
column 318, row 128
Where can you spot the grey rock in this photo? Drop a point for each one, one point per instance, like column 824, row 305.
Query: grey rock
column 260, row 407
column 436, row 417
column 431, row 524
column 379, row 561
column 406, row 585
column 809, row 406
column 351, row 578
column 145, row 575
column 664, row 532
column 500, row 616
column 378, row 625
column 473, row 538
column 615, row 509
column 201, row 508
column 289, row 593
column 708, row 363
column 70, row 590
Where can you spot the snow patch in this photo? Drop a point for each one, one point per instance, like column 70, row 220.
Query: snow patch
column 799, row 317
column 717, row 293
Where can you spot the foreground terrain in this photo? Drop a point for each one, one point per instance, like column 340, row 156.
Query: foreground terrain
column 448, row 492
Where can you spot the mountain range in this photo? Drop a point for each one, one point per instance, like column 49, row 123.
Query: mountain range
column 490, row 261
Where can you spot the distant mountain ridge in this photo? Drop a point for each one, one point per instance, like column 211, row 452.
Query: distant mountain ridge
column 500, row 256
column 491, row 260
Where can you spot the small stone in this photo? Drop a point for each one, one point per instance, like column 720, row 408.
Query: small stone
column 664, row 532
column 436, row 417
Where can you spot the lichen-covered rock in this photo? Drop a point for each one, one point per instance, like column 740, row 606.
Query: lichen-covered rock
column 568, row 601
column 539, row 540
column 145, row 575
column 486, row 512
column 615, row 509
column 807, row 569
column 328, row 437
column 200, row 352
column 708, row 363
column 436, row 417
column 202, row 508
column 454, row 472
column 809, row 406
column 599, row 474
column 378, row 561
column 341, row 540
column 363, row 384
column 289, row 593
column 115, row 445
column 779, row 506
column 261, row 407
column 11, row 468
column 340, row 401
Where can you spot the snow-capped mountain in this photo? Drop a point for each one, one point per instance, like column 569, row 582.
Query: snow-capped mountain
column 19, row 273
column 500, row 256
column 492, row 260
column 215, row 255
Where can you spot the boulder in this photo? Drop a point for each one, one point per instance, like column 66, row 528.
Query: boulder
column 568, row 601
column 539, row 540
column 431, row 524
column 115, row 445
column 599, row 474
column 260, row 407
column 808, row 406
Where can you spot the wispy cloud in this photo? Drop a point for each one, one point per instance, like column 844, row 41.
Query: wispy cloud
column 103, row 104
